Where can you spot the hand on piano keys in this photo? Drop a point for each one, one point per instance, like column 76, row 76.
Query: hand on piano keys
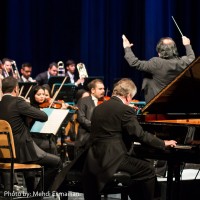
column 170, row 143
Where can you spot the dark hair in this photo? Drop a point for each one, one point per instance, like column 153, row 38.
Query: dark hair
column 26, row 65
column 70, row 62
column 6, row 59
column 47, row 87
column 35, row 89
column 79, row 94
column 53, row 64
column 93, row 83
column 8, row 84
column 167, row 51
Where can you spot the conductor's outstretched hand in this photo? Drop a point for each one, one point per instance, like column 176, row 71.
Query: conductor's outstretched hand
column 126, row 43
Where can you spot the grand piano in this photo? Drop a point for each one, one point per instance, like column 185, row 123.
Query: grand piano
column 175, row 114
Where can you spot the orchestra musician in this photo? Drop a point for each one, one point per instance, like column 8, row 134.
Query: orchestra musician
column 43, row 77
column 162, row 69
column 26, row 71
column 15, row 110
column 7, row 67
column 71, row 72
column 80, row 94
column 114, row 127
column 86, row 106
column 40, row 98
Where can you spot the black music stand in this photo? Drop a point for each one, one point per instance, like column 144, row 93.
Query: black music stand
column 89, row 79
column 67, row 92
column 57, row 79
column 26, row 88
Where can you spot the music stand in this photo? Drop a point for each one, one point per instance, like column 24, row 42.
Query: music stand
column 89, row 79
column 26, row 88
column 57, row 79
column 67, row 92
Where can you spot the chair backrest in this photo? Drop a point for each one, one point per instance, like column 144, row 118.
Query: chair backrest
column 7, row 146
column 71, row 129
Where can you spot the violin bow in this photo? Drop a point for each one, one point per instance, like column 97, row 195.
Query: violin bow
column 177, row 26
column 28, row 91
column 56, row 93
column 21, row 89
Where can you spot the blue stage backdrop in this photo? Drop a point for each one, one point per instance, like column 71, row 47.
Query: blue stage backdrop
column 89, row 31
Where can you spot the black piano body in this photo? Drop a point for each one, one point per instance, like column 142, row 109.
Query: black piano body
column 175, row 114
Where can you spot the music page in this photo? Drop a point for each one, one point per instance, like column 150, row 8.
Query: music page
column 52, row 125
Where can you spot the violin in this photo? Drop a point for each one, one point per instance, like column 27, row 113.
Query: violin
column 56, row 104
column 105, row 98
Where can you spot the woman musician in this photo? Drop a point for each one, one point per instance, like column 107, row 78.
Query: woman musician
column 40, row 98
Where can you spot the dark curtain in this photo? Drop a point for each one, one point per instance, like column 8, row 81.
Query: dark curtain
column 89, row 31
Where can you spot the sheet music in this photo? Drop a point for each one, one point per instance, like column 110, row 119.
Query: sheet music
column 55, row 119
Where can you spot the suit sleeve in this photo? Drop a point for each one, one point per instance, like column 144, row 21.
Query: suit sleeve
column 82, row 118
column 132, row 127
column 26, row 109
column 141, row 65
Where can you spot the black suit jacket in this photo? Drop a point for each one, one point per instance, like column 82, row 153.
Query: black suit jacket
column 42, row 78
column 114, row 126
column 75, row 76
column 86, row 106
column 15, row 110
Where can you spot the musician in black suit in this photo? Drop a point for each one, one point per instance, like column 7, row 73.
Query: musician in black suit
column 86, row 106
column 26, row 71
column 16, row 110
column 72, row 73
column 114, row 128
column 7, row 69
column 43, row 77
column 162, row 69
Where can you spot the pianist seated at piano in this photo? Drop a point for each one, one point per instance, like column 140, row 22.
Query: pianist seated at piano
column 114, row 129
column 162, row 69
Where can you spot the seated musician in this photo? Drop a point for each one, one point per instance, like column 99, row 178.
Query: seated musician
column 26, row 71
column 15, row 110
column 47, row 142
column 114, row 127
column 7, row 68
column 43, row 77
column 86, row 106
column 72, row 73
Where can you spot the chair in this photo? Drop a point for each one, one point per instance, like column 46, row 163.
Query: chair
column 72, row 180
column 8, row 157
column 68, row 136
column 117, row 185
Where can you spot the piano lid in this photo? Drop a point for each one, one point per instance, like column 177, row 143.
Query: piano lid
column 181, row 95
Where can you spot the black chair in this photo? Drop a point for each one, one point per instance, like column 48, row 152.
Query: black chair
column 117, row 185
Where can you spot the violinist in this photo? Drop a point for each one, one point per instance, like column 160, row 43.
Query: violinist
column 46, row 142
column 86, row 106
column 41, row 98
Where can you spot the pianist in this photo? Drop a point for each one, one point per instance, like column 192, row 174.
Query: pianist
column 162, row 69
column 114, row 127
